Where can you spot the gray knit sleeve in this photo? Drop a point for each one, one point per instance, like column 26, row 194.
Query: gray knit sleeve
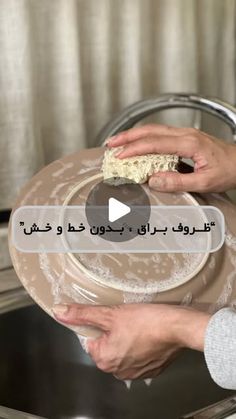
column 220, row 348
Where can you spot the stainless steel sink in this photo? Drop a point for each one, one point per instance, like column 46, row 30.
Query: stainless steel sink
column 44, row 371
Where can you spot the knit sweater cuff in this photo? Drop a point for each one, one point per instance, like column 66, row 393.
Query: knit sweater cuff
column 220, row 348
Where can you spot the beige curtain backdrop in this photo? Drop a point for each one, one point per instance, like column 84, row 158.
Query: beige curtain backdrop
column 67, row 66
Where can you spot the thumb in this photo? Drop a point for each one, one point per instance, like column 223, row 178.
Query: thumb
column 174, row 181
column 84, row 315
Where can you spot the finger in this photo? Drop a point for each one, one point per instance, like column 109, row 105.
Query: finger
column 84, row 315
column 176, row 182
column 103, row 355
column 181, row 146
column 134, row 134
column 94, row 347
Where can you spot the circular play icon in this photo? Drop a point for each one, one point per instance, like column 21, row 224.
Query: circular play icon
column 116, row 212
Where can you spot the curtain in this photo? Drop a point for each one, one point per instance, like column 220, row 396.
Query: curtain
column 68, row 66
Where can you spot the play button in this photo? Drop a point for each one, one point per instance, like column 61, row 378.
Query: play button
column 117, row 211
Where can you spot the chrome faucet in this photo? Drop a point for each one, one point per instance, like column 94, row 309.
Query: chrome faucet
column 134, row 113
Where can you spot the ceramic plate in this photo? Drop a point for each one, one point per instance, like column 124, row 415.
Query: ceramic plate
column 208, row 281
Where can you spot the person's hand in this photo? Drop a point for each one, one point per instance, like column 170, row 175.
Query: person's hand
column 214, row 160
column 138, row 340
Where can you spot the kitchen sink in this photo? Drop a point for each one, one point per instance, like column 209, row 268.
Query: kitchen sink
column 45, row 372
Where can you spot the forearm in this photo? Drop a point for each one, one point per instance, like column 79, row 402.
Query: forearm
column 189, row 328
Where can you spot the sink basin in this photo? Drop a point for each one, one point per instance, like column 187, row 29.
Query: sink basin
column 45, row 372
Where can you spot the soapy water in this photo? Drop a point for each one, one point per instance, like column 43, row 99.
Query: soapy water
column 128, row 383
column 59, row 286
column 186, row 301
column 130, row 298
column 230, row 241
column 132, row 279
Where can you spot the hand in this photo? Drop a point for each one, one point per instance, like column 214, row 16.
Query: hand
column 214, row 160
column 138, row 340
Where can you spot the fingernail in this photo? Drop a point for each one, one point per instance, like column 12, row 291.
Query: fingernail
column 111, row 139
column 156, row 182
column 60, row 309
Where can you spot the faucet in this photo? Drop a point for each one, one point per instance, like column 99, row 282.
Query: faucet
column 134, row 113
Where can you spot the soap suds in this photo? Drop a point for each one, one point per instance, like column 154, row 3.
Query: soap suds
column 186, row 301
column 137, row 280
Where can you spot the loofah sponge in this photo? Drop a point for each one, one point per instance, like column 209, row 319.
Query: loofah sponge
column 135, row 169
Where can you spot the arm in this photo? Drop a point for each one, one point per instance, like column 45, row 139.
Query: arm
column 143, row 348
column 139, row 348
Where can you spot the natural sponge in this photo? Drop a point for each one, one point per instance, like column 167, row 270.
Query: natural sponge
column 135, row 169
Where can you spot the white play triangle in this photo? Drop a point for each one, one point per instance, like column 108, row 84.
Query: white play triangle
column 117, row 209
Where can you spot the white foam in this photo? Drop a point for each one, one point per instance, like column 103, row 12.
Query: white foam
column 83, row 341
column 186, row 301
column 148, row 381
column 130, row 297
column 135, row 282
column 128, row 383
